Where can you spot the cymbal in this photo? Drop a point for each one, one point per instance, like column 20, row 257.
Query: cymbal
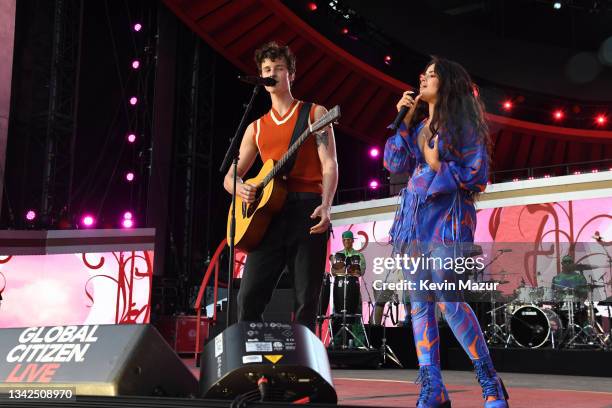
column 585, row 267
column 500, row 282
column 504, row 273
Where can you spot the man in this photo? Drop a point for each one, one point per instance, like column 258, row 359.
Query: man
column 297, row 237
column 570, row 280
column 356, row 326
column 347, row 241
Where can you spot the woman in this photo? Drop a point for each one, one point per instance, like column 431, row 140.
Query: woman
column 444, row 143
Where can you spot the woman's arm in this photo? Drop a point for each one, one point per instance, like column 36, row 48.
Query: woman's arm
column 468, row 171
column 398, row 158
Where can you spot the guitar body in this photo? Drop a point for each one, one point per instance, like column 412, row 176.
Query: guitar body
column 252, row 220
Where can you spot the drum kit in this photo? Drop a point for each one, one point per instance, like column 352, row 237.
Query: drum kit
column 346, row 318
column 535, row 317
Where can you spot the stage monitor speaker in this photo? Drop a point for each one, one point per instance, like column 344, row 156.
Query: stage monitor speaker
column 106, row 360
column 290, row 357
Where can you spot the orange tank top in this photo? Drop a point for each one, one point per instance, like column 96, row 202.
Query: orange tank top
column 272, row 135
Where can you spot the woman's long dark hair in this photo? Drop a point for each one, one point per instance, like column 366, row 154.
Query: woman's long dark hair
column 458, row 107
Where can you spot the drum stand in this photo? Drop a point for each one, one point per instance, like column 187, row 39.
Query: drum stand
column 344, row 326
column 494, row 333
column 592, row 333
column 385, row 350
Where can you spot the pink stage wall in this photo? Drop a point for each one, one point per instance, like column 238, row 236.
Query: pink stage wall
column 539, row 235
column 75, row 289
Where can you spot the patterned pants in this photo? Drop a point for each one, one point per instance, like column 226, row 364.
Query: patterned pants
column 462, row 321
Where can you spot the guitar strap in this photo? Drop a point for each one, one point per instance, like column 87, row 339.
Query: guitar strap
column 300, row 126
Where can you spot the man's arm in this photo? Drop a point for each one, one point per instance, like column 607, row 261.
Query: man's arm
column 248, row 153
column 326, row 148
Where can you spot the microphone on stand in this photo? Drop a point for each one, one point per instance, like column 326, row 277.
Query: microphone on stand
column 596, row 236
column 257, row 80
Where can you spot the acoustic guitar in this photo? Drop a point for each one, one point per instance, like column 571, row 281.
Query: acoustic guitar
column 252, row 219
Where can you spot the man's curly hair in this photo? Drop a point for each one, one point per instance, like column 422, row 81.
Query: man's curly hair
column 273, row 51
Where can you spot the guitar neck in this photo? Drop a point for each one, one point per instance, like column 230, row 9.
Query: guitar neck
column 288, row 154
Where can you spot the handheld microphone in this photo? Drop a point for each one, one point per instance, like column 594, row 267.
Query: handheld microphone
column 257, row 80
column 399, row 118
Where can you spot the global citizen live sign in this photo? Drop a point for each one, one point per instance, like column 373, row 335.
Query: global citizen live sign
column 38, row 352
column 87, row 277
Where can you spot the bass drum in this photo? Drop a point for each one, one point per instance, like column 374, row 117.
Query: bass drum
column 532, row 326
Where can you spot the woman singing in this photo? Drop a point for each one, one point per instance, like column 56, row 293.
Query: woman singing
column 444, row 143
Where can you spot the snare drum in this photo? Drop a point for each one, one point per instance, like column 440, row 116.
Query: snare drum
column 528, row 294
column 547, row 295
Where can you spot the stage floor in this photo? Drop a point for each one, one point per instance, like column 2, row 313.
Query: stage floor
column 396, row 388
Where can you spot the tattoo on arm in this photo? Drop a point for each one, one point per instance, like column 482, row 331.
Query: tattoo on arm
column 323, row 138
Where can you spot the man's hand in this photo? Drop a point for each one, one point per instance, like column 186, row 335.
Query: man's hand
column 322, row 212
column 246, row 191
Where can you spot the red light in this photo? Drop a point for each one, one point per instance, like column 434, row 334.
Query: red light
column 30, row 215
column 345, row 30
column 388, row 59
column 515, row 179
column 601, row 120
column 129, row 176
column 374, row 152
column 133, row 100
column 131, row 138
column 373, row 184
column 312, row 6
column 558, row 115
column 507, row 105
column 135, row 64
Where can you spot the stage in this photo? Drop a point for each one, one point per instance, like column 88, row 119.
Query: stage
column 396, row 388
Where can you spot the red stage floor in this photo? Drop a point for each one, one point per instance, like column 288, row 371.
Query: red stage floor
column 396, row 388
column 396, row 393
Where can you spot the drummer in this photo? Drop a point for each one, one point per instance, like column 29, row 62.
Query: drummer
column 348, row 251
column 570, row 280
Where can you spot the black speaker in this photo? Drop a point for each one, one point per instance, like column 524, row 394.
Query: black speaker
column 289, row 358
column 94, row 360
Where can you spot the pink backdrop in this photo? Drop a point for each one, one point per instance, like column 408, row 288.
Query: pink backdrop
column 75, row 289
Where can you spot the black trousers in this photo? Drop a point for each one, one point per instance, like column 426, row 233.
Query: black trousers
column 286, row 244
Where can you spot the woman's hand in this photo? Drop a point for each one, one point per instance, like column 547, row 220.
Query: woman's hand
column 410, row 103
column 431, row 154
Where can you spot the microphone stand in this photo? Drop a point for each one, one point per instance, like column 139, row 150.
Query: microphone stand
column 232, row 156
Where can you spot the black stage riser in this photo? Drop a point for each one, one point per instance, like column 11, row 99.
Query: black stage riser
column 595, row 363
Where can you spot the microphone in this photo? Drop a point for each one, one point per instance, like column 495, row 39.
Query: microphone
column 596, row 236
column 399, row 118
column 257, row 80
column 505, row 250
